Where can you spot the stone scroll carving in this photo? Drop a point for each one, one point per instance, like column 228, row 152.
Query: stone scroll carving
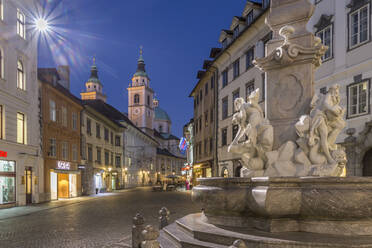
column 315, row 152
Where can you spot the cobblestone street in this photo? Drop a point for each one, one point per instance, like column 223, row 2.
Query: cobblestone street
column 103, row 221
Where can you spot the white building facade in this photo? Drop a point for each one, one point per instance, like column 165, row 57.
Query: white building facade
column 345, row 26
column 21, row 176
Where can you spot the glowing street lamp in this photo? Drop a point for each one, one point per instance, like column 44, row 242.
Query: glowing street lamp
column 42, row 25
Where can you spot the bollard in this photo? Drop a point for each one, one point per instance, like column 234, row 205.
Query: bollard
column 164, row 217
column 238, row 244
column 137, row 228
column 150, row 236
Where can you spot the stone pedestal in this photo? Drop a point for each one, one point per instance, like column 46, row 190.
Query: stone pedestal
column 293, row 55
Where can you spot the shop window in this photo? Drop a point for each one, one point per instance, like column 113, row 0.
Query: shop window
column 21, row 128
column 359, row 26
column 7, row 182
column 358, row 99
column 21, row 24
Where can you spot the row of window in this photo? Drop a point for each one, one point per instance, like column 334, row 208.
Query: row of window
column 21, row 126
column 62, row 116
column 234, row 130
column 358, row 31
column 136, row 99
column 109, row 156
column 21, row 20
column 199, row 97
column 208, row 118
column 108, row 136
column 201, row 148
column 65, row 148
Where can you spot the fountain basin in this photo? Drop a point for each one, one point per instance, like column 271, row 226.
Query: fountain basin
column 331, row 205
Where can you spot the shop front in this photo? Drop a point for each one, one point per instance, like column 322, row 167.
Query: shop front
column 64, row 181
column 7, row 183
column 201, row 170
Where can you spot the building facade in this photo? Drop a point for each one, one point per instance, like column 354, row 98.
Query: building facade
column 102, row 141
column 61, row 137
column 21, row 176
column 345, row 26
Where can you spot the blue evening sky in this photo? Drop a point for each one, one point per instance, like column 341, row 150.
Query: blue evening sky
column 177, row 36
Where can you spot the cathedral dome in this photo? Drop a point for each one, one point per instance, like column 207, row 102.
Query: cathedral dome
column 161, row 115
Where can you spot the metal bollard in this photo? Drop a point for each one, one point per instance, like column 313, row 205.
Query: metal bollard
column 137, row 228
column 150, row 236
column 164, row 217
column 238, row 244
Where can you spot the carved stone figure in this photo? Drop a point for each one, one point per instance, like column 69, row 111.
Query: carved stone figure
column 256, row 130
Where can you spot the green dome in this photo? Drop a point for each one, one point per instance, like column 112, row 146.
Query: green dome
column 140, row 74
column 161, row 115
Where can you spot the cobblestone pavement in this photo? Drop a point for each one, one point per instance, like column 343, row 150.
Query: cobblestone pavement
column 97, row 222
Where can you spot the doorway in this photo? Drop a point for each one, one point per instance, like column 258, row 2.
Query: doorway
column 367, row 164
column 28, row 175
column 237, row 171
column 63, row 185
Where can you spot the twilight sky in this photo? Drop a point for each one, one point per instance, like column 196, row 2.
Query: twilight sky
column 176, row 35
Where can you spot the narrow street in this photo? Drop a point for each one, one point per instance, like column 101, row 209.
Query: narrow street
column 103, row 221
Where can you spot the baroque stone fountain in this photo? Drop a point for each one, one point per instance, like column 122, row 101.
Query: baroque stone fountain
column 292, row 191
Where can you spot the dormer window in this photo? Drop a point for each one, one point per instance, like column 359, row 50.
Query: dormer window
column 224, row 43
column 250, row 18
column 236, row 32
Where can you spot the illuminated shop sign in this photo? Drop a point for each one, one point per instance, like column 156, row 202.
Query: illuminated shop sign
column 3, row 154
column 62, row 165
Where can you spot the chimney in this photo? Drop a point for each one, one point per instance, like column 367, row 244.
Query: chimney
column 64, row 74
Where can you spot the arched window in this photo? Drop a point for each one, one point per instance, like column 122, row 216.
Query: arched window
column 136, row 98
column 20, row 76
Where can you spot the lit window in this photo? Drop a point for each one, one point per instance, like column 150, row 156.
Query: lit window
column 64, row 150
column 21, row 29
column 52, row 148
column 136, row 99
column 1, row 122
column 359, row 26
column 20, row 76
column 358, row 99
column 250, row 18
column 21, row 128
column 74, row 152
column 64, row 116
column 326, row 36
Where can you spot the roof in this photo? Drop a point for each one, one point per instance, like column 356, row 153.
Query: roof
column 166, row 152
column 165, row 136
column 107, row 110
column 94, row 75
column 44, row 77
column 161, row 114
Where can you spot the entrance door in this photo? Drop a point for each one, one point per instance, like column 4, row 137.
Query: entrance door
column 28, row 175
column 63, row 185
column 113, row 182
column 367, row 164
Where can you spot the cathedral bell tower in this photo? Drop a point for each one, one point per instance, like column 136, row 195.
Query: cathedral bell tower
column 140, row 99
column 93, row 87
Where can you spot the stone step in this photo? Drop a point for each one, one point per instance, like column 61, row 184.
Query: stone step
column 183, row 239
column 166, row 242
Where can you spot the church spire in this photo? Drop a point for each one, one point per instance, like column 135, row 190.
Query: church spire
column 94, row 73
column 141, row 71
